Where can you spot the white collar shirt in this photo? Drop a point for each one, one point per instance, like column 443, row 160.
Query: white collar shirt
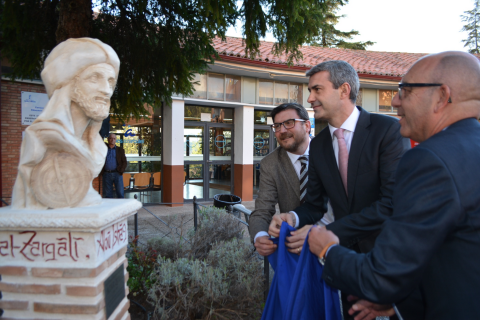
column 349, row 126
column 297, row 165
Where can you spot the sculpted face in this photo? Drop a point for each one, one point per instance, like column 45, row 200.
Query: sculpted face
column 92, row 90
column 291, row 139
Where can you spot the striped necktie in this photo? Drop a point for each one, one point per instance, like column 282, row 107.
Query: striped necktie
column 303, row 178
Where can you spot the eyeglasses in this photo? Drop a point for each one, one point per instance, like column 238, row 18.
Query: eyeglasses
column 288, row 124
column 415, row 85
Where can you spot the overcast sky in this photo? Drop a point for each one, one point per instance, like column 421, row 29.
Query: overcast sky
column 422, row 26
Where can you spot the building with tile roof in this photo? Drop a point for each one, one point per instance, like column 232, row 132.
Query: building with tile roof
column 212, row 142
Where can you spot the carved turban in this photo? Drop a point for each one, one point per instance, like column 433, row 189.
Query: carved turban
column 71, row 57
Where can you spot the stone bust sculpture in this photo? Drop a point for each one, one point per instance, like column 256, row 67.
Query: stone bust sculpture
column 62, row 150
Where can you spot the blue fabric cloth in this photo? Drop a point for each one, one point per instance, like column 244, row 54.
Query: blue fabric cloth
column 297, row 290
column 109, row 179
column 111, row 160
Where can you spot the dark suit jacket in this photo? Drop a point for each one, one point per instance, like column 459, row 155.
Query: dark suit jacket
column 432, row 240
column 279, row 183
column 376, row 148
column 121, row 160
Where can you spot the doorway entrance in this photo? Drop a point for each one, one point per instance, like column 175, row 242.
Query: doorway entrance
column 208, row 159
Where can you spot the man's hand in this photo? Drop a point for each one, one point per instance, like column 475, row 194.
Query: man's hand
column 265, row 246
column 295, row 242
column 368, row 310
column 275, row 225
column 319, row 238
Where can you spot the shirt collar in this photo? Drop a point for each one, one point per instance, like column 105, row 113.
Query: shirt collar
column 294, row 157
column 349, row 124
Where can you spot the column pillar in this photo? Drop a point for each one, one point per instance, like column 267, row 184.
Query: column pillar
column 243, row 161
column 172, row 158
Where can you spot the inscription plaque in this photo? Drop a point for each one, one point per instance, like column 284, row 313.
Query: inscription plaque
column 114, row 290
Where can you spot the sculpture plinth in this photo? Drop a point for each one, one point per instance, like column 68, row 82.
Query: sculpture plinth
column 65, row 263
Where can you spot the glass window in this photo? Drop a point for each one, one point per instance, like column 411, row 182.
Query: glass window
column 216, row 86
column 260, row 117
column 385, row 100
column 296, row 93
column 200, row 87
column 233, row 87
column 220, row 143
column 266, row 92
column 208, row 114
column 193, row 144
column 359, row 98
column 261, row 144
column 281, row 93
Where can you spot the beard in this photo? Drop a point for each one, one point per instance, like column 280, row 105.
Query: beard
column 293, row 145
column 93, row 109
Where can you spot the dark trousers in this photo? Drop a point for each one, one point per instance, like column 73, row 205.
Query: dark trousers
column 110, row 179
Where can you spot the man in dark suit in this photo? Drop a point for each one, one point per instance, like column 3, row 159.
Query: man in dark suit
column 432, row 239
column 280, row 172
column 368, row 151
column 374, row 146
column 115, row 165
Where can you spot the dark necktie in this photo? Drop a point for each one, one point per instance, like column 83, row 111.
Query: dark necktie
column 303, row 178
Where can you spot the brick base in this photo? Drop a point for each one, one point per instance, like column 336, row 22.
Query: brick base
column 243, row 182
column 56, row 293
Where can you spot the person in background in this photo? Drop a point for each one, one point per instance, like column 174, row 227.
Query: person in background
column 115, row 165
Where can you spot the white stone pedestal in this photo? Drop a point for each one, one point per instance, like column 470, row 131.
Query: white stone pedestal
column 54, row 263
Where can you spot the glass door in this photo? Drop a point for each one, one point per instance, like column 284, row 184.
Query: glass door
column 208, row 166
column 219, row 160
column 264, row 142
column 194, row 161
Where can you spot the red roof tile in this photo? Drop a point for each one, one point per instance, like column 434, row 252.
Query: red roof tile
column 379, row 63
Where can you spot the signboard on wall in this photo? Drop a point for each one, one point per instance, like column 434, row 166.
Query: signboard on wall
column 33, row 104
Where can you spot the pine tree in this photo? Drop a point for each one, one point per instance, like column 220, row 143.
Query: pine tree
column 331, row 37
column 472, row 18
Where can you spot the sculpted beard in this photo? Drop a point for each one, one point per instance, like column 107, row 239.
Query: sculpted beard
column 93, row 110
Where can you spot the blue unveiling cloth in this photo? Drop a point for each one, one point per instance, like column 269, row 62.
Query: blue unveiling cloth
column 111, row 162
column 298, row 290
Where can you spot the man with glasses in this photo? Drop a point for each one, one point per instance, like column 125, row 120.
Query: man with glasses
column 283, row 172
column 353, row 162
column 432, row 239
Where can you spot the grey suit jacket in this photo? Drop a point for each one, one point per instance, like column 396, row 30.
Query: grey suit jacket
column 279, row 183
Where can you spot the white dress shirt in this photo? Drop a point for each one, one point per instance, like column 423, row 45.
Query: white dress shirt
column 349, row 126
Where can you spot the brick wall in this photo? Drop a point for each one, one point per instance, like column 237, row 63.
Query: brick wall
column 60, row 293
column 11, row 132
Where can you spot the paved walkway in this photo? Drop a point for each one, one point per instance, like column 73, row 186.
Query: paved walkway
column 164, row 221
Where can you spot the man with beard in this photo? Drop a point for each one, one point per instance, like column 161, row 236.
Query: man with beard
column 115, row 164
column 62, row 150
column 281, row 172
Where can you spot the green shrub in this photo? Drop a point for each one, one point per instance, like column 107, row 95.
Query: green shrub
column 141, row 263
column 213, row 275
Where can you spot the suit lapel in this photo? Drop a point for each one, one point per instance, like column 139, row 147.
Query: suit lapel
column 359, row 138
column 288, row 171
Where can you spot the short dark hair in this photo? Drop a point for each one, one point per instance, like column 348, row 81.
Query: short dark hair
column 301, row 112
column 340, row 72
